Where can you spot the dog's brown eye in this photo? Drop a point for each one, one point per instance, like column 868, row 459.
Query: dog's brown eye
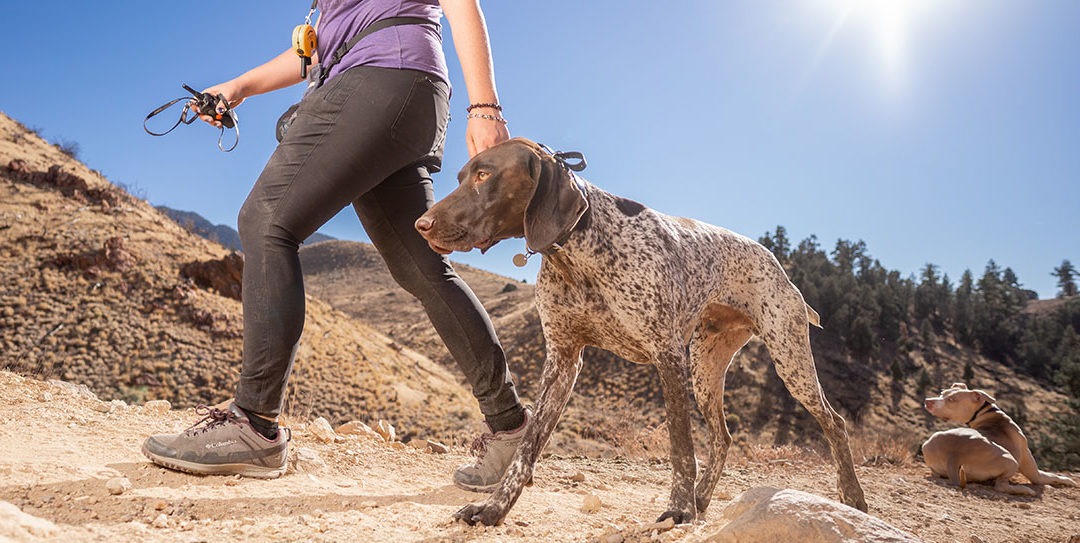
column 482, row 176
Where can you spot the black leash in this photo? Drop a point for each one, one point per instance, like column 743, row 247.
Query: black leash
column 201, row 104
column 564, row 158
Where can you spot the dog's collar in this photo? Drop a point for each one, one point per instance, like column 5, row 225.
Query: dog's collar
column 978, row 412
column 571, row 161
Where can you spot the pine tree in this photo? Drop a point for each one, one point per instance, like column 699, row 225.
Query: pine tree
column 963, row 309
column 1066, row 275
column 969, row 373
column 896, row 370
column 1061, row 446
column 1067, row 359
column 998, row 302
column 778, row 243
column 923, row 382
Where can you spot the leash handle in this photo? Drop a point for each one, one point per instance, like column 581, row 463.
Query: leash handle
column 571, row 160
column 565, row 158
column 202, row 104
column 167, row 105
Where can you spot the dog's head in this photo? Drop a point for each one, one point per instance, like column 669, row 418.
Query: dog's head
column 957, row 403
column 511, row 190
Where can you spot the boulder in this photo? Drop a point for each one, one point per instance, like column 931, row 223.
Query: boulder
column 20, row 526
column 357, row 428
column 763, row 514
column 321, row 429
column 386, row 430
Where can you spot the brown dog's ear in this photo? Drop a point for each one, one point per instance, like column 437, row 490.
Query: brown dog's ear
column 555, row 207
column 982, row 395
column 959, row 385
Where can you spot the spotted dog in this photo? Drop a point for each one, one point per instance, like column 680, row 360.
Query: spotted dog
column 680, row 294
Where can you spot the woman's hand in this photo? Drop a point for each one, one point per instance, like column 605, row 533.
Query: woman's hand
column 232, row 93
column 483, row 133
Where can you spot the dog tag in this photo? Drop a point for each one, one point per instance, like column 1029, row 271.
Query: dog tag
column 520, row 260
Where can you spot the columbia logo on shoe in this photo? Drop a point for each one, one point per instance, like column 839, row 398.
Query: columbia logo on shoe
column 221, row 444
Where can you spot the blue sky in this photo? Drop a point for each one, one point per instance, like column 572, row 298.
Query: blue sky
column 943, row 131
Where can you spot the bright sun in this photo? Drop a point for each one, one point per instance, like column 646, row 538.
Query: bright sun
column 888, row 24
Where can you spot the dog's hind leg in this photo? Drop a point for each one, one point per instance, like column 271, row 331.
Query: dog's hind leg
column 672, row 369
column 785, row 331
column 712, row 349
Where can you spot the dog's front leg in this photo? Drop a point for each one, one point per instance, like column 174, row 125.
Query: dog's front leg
column 560, row 371
column 682, row 507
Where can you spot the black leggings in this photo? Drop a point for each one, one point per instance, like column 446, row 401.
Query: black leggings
column 368, row 137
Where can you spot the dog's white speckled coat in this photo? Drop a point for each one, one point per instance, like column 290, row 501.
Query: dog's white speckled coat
column 677, row 293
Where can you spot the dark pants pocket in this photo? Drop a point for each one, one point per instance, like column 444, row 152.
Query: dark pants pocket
column 420, row 126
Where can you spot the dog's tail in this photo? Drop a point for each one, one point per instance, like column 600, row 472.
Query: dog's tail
column 815, row 319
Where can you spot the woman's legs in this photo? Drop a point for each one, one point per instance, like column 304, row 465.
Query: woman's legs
column 347, row 138
column 364, row 151
column 388, row 212
column 351, row 142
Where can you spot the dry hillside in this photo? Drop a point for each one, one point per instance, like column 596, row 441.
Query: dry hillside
column 99, row 288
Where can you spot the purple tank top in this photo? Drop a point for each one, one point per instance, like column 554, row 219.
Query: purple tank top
column 413, row 46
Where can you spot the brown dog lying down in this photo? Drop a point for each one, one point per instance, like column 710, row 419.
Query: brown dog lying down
column 991, row 448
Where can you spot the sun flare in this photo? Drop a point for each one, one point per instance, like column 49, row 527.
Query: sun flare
column 888, row 26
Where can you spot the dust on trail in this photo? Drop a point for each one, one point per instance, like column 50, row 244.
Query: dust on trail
column 61, row 447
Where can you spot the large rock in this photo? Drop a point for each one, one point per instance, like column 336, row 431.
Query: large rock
column 764, row 515
column 22, row 527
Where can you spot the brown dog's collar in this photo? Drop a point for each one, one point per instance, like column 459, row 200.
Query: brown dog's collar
column 978, row 412
column 521, row 259
column 571, row 161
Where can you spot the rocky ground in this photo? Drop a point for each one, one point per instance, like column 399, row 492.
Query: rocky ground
column 68, row 459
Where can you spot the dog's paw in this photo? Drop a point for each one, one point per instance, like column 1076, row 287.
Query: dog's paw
column 1061, row 480
column 680, row 517
column 702, row 503
column 480, row 513
column 854, row 499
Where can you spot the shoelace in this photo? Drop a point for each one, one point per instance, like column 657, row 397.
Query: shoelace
column 479, row 445
column 212, row 417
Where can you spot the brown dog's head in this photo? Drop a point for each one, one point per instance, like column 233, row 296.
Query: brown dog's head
column 511, row 190
column 957, row 403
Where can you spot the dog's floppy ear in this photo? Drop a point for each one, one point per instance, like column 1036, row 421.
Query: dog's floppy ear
column 959, row 385
column 984, row 396
column 556, row 204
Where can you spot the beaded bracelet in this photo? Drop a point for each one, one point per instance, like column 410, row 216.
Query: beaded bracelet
column 494, row 106
column 496, row 118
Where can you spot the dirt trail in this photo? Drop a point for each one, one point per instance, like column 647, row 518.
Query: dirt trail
column 62, row 447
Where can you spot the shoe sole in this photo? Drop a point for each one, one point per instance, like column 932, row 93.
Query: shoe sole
column 244, row 470
column 477, row 488
column 488, row 489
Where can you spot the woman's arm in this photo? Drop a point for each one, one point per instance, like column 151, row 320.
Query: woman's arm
column 276, row 73
column 474, row 52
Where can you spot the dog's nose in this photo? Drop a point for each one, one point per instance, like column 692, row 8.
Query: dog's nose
column 424, row 224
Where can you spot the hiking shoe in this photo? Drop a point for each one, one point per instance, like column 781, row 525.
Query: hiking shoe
column 222, row 443
column 493, row 451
